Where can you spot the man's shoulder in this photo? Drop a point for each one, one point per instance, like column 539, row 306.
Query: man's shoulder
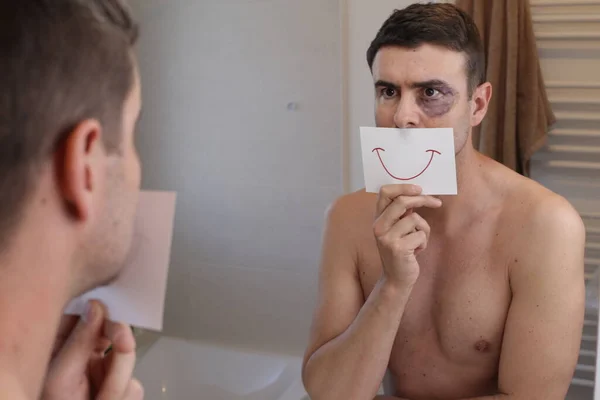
column 354, row 203
column 352, row 212
column 541, row 221
column 537, row 205
column 548, row 240
column 532, row 212
column 551, row 218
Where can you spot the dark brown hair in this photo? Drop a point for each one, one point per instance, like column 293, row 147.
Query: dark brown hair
column 62, row 62
column 443, row 25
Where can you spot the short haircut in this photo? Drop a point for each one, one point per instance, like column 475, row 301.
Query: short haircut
column 443, row 25
column 62, row 62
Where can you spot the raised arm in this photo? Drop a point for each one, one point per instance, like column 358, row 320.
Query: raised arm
column 351, row 338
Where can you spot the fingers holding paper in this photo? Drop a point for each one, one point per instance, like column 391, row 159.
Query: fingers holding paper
column 113, row 376
column 80, row 369
column 401, row 232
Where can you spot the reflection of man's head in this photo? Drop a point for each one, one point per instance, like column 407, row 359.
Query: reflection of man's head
column 428, row 66
column 70, row 101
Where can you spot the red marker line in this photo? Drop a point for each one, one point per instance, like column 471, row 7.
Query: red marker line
column 433, row 152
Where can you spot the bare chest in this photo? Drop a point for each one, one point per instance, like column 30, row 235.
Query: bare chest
column 450, row 336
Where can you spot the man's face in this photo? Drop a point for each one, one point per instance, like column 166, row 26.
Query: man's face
column 424, row 87
column 109, row 244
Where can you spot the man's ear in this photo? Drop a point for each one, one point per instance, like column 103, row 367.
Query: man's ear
column 481, row 100
column 80, row 167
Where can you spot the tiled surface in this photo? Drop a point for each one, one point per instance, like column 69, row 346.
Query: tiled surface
column 178, row 370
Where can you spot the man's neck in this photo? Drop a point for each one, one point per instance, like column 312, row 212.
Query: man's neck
column 34, row 289
column 470, row 175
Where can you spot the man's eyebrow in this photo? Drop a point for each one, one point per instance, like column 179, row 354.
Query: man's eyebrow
column 381, row 83
column 433, row 83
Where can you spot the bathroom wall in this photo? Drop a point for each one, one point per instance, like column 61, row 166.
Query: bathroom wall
column 243, row 118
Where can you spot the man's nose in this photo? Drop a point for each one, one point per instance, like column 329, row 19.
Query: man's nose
column 407, row 113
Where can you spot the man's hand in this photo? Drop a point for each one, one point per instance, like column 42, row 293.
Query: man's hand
column 79, row 369
column 400, row 232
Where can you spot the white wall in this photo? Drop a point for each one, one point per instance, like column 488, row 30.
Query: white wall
column 253, row 177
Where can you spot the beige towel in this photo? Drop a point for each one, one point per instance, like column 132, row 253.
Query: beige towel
column 519, row 116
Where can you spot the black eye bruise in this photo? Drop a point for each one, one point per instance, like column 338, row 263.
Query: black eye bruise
column 437, row 107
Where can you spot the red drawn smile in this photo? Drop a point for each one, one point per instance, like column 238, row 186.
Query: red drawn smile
column 433, row 153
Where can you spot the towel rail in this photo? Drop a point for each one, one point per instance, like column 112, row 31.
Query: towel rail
column 566, row 35
column 583, row 382
column 559, row 148
column 572, row 165
column 549, row 3
column 593, row 245
column 541, row 18
column 577, row 115
column 573, row 100
column 575, row 132
column 572, row 85
column 585, row 368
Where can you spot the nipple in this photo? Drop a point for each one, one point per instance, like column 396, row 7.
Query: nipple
column 483, row 346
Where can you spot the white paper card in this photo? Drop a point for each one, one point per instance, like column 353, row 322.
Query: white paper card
column 423, row 157
column 137, row 296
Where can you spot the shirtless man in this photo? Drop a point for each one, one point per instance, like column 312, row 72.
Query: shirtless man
column 69, row 182
column 479, row 295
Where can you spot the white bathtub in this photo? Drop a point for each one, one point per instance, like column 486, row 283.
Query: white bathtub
column 173, row 369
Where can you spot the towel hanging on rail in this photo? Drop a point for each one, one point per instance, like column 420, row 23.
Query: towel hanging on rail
column 519, row 114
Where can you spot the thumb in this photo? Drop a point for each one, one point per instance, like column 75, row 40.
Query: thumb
column 73, row 358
